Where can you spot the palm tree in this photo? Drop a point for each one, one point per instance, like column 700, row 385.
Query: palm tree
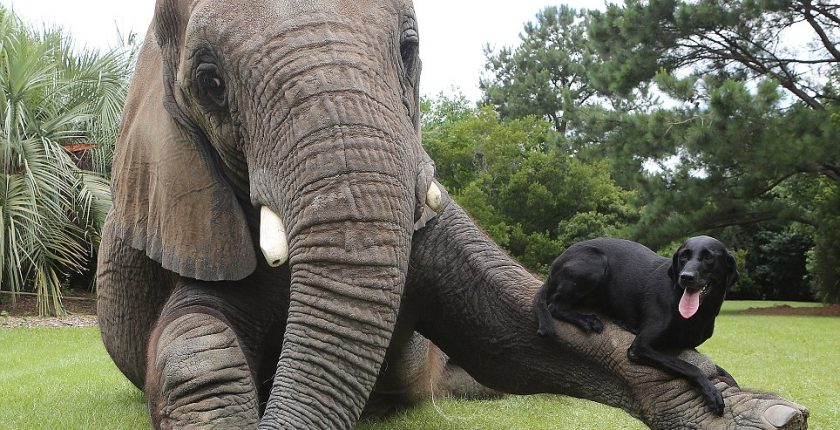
column 51, row 211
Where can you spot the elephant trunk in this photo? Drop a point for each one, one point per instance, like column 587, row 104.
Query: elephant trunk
column 345, row 293
column 349, row 219
column 347, row 280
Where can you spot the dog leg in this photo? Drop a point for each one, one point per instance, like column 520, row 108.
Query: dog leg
column 642, row 352
column 724, row 376
column 574, row 275
column 568, row 293
column 587, row 322
column 546, row 323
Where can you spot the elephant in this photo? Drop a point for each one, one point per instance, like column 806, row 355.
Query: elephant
column 280, row 254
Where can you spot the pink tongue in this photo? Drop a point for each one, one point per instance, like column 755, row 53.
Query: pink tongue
column 689, row 303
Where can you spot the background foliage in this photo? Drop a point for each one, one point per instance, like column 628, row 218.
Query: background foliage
column 59, row 110
column 656, row 121
column 520, row 182
column 651, row 120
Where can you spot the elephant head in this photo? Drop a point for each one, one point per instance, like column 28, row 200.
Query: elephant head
column 290, row 127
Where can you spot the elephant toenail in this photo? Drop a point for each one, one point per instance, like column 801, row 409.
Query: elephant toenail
column 779, row 415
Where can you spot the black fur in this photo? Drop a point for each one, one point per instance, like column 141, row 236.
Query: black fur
column 641, row 291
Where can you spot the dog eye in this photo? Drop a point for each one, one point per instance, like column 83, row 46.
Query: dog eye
column 210, row 84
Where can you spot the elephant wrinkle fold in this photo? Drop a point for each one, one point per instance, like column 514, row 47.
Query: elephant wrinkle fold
column 196, row 360
column 309, row 109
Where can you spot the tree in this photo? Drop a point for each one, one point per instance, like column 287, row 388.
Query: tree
column 822, row 261
column 737, row 39
column 741, row 38
column 51, row 211
column 517, row 179
column 546, row 74
column 751, row 136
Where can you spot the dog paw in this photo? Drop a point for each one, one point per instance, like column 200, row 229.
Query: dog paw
column 714, row 400
column 591, row 323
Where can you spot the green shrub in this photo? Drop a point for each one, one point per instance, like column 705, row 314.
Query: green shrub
column 53, row 101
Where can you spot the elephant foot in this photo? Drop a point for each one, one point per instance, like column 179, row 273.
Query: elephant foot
column 198, row 375
column 763, row 411
column 746, row 410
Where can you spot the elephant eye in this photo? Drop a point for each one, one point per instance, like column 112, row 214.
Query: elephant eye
column 210, row 84
column 408, row 51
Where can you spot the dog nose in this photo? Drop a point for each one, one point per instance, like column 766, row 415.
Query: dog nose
column 686, row 277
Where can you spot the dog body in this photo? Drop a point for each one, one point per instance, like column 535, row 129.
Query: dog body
column 667, row 303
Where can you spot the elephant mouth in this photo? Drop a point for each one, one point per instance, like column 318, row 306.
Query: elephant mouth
column 274, row 240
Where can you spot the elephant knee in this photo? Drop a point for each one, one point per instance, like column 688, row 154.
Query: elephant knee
column 197, row 373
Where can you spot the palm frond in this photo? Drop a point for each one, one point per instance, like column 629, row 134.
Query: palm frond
column 51, row 210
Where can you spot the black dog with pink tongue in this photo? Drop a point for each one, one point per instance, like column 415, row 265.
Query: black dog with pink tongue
column 667, row 303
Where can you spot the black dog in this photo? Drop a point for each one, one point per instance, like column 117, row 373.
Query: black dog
column 668, row 304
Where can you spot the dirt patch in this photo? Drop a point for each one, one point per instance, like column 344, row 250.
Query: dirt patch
column 81, row 308
column 828, row 310
column 66, row 321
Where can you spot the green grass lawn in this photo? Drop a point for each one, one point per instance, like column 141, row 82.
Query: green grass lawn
column 63, row 379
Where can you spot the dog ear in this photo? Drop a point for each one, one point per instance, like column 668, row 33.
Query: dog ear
column 673, row 271
column 733, row 275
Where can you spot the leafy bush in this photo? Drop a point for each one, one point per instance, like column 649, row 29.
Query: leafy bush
column 53, row 100
column 520, row 181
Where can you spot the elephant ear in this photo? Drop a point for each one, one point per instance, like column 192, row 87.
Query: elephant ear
column 169, row 197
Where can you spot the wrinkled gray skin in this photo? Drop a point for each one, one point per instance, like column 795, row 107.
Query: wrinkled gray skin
column 310, row 108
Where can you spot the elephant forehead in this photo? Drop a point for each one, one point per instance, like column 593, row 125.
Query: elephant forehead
column 257, row 35
column 261, row 14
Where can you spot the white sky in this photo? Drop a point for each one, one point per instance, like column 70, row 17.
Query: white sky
column 452, row 32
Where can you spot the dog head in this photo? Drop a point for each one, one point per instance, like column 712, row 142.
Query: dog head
column 701, row 268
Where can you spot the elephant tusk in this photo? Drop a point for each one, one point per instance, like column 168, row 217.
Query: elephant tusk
column 433, row 197
column 273, row 241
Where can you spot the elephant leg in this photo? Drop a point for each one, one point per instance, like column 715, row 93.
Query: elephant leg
column 456, row 382
column 416, row 370
column 478, row 307
column 411, row 370
column 213, row 352
column 131, row 290
column 198, row 373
